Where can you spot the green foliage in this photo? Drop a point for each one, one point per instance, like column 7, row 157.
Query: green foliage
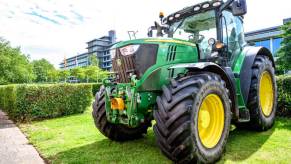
column 93, row 60
column 43, row 70
column 53, row 75
column 95, row 88
column 30, row 102
column 64, row 74
column 95, row 74
column 284, row 95
column 284, row 53
column 14, row 66
column 78, row 72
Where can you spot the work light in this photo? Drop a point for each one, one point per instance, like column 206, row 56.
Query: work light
column 205, row 5
column 217, row 3
column 177, row 15
column 196, row 8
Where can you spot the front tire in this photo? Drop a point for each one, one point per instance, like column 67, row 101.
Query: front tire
column 193, row 119
column 113, row 131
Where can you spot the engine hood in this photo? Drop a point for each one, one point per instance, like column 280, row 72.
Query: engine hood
column 153, row 41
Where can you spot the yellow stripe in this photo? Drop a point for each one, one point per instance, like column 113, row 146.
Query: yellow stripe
column 171, row 41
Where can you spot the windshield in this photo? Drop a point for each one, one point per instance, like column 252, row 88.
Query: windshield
column 198, row 28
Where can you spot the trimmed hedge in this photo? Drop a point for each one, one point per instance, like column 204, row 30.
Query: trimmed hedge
column 32, row 102
column 95, row 88
column 284, row 96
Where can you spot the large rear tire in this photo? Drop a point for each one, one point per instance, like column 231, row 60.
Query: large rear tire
column 262, row 101
column 193, row 119
column 114, row 131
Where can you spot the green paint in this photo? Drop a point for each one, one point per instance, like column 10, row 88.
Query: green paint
column 140, row 94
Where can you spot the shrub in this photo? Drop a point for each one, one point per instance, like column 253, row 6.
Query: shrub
column 95, row 88
column 284, row 95
column 31, row 102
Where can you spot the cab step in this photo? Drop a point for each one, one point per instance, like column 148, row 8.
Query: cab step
column 244, row 115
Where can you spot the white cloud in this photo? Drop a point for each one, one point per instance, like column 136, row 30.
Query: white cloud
column 80, row 21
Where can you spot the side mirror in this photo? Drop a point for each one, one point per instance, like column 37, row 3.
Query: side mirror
column 239, row 7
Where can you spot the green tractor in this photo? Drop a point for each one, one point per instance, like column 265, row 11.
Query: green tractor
column 194, row 79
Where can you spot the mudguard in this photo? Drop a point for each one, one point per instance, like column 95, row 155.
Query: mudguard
column 246, row 69
column 225, row 73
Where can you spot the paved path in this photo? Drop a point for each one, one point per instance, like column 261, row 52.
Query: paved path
column 14, row 147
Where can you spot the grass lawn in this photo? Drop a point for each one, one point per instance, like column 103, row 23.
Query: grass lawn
column 75, row 139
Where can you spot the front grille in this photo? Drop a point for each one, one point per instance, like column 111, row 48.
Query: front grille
column 122, row 65
column 136, row 63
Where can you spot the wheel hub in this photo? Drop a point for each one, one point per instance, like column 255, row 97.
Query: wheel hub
column 266, row 93
column 211, row 120
column 205, row 118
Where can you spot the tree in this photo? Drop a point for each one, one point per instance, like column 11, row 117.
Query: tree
column 91, row 73
column 41, row 69
column 284, row 53
column 78, row 72
column 101, row 74
column 93, row 60
column 64, row 74
column 53, row 76
column 14, row 66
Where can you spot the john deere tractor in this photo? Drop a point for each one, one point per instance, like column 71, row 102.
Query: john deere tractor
column 195, row 78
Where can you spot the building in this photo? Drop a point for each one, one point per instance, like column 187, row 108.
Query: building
column 100, row 48
column 96, row 47
column 268, row 37
column 76, row 61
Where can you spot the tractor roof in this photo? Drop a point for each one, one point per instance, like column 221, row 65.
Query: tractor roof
column 191, row 10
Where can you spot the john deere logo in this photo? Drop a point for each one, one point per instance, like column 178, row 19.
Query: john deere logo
column 118, row 61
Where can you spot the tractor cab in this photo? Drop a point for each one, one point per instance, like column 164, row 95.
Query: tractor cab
column 215, row 27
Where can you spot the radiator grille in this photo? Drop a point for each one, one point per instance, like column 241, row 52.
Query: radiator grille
column 136, row 63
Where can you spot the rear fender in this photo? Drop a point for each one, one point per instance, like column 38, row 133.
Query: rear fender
column 246, row 68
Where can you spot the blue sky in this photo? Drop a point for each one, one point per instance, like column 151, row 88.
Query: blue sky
column 53, row 29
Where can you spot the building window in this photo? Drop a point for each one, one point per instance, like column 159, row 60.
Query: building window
column 264, row 43
column 276, row 45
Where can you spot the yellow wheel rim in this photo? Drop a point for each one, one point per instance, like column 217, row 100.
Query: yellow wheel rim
column 210, row 120
column 266, row 93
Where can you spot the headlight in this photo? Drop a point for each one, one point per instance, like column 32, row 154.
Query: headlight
column 112, row 53
column 128, row 50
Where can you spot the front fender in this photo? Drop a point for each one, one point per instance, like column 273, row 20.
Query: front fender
column 225, row 73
